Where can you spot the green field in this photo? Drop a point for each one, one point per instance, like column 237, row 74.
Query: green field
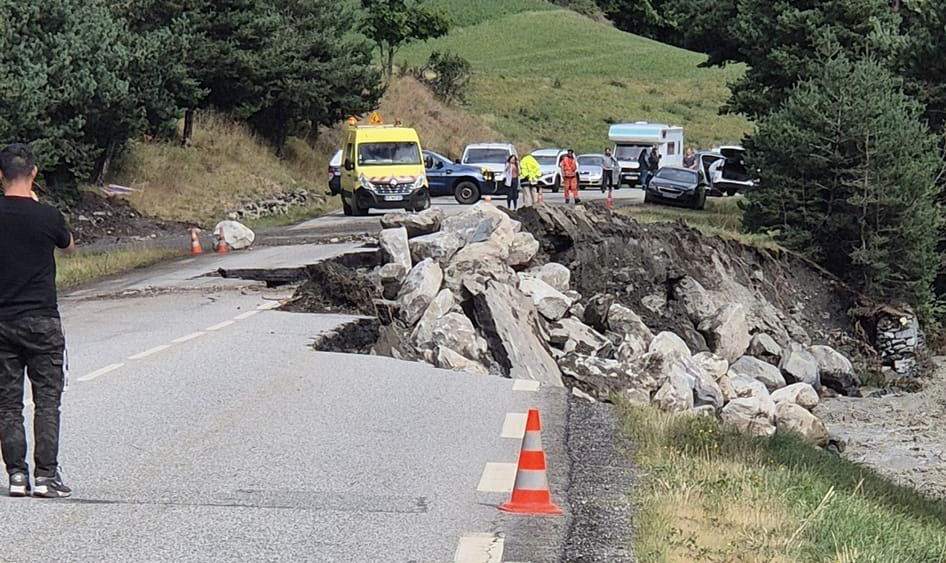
column 553, row 77
column 466, row 13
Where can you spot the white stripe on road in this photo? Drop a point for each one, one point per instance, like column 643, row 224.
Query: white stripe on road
column 219, row 326
column 101, row 372
column 246, row 315
column 188, row 338
column 269, row 306
column 480, row 548
column 525, row 385
column 514, row 427
column 150, row 352
column 498, row 478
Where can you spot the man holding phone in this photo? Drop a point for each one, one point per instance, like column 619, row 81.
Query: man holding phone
column 31, row 337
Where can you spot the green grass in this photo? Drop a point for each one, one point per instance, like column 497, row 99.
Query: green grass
column 466, row 13
column 87, row 267
column 711, row 494
column 554, row 77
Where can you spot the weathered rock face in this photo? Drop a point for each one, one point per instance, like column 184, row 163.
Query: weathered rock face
column 510, row 325
column 696, row 301
column 423, row 334
column 790, row 417
column 749, row 415
column 395, row 253
column 769, row 375
column 626, row 322
column 706, row 391
column 456, row 331
column 440, row 247
column 715, row 366
column 600, row 376
column 479, row 222
column 746, row 387
column 798, row 365
column 522, row 250
column 556, row 275
column 801, row 394
column 549, row 302
column 582, row 338
column 420, row 287
column 452, row 360
column 765, row 348
column 727, row 331
column 416, row 224
column 837, row 372
column 596, row 311
column 471, row 269
column 669, row 345
column 676, row 394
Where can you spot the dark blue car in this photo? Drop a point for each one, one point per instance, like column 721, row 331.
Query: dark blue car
column 466, row 183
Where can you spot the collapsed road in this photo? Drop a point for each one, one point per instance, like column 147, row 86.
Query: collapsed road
column 201, row 425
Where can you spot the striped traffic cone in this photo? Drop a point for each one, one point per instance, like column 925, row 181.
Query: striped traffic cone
column 609, row 203
column 195, row 243
column 531, row 494
column 222, row 246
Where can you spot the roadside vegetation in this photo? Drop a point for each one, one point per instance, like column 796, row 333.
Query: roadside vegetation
column 541, row 93
column 86, row 267
column 709, row 493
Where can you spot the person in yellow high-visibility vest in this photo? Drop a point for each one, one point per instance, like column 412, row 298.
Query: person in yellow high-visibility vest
column 529, row 174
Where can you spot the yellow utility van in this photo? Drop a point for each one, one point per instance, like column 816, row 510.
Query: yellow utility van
column 383, row 168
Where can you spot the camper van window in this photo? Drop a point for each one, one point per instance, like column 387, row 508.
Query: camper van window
column 388, row 153
column 629, row 152
column 671, row 149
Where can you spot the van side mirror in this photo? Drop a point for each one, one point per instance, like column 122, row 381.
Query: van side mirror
column 428, row 162
column 349, row 165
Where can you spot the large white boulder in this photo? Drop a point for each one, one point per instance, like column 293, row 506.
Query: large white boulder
column 706, row 391
column 790, row 417
column 749, row 415
column 715, row 366
column 696, row 301
column 746, row 387
column 727, row 331
column 801, row 394
column 451, row 359
column 237, row 235
column 754, row 368
column 669, row 345
column 441, row 247
column 420, row 287
column 554, row 274
column 442, row 304
column 471, row 269
column 836, row 371
column 622, row 320
column 549, row 302
column 416, row 224
column 799, row 365
column 765, row 348
column 395, row 253
column 456, row 331
column 522, row 249
column 478, row 223
column 676, row 394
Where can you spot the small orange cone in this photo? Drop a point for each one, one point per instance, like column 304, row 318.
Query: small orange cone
column 195, row 243
column 488, row 199
column 531, row 494
column 222, row 246
column 541, row 196
column 609, row 203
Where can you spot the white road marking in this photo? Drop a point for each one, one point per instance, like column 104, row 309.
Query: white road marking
column 246, row 315
column 498, row 478
column 514, row 426
column 269, row 306
column 479, row 548
column 188, row 338
column 525, row 385
column 188, row 261
column 150, row 352
column 219, row 326
column 101, row 372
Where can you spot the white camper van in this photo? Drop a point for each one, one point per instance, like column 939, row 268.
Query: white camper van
column 631, row 138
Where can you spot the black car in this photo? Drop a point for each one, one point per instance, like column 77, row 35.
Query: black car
column 677, row 186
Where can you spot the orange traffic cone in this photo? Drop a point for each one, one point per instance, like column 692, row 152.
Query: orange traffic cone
column 540, row 196
column 531, row 493
column 195, row 243
column 222, row 246
column 609, row 203
column 488, row 199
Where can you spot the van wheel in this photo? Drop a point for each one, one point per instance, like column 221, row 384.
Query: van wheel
column 346, row 209
column 356, row 210
column 467, row 193
column 422, row 206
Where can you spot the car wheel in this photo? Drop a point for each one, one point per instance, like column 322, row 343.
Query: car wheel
column 346, row 209
column 647, row 198
column 731, row 192
column 557, row 185
column 467, row 193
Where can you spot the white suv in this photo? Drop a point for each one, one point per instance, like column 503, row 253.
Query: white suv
column 549, row 160
column 491, row 156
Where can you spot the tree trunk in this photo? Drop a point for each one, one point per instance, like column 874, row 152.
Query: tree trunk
column 188, row 127
column 106, row 162
column 312, row 137
column 390, row 64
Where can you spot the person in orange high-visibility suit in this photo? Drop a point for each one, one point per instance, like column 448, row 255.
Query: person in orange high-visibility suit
column 569, row 167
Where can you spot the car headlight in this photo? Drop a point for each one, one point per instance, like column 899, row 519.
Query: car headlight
column 419, row 182
column 365, row 183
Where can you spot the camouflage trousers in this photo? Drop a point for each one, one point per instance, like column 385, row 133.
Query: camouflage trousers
column 34, row 346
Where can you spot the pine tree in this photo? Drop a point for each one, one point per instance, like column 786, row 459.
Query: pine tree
column 848, row 175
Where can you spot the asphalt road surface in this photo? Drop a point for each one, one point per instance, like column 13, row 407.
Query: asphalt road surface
column 199, row 425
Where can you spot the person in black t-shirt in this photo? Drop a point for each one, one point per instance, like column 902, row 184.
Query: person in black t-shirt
column 31, row 337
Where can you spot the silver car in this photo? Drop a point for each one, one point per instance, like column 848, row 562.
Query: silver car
column 590, row 170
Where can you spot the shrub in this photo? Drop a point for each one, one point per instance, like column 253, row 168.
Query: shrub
column 449, row 76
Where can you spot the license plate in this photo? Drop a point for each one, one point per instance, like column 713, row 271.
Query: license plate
column 393, row 198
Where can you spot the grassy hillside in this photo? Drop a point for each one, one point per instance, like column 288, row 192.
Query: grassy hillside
column 466, row 13
column 554, row 77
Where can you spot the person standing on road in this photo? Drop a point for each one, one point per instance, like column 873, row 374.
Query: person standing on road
column 643, row 168
column 609, row 165
column 511, row 173
column 31, row 337
column 653, row 162
column 529, row 174
column 569, row 168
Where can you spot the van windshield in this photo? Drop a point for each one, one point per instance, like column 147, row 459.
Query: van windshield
column 629, row 152
column 373, row 154
column 486, row 156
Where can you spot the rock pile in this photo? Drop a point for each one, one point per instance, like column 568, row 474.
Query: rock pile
column 280, row 204
column 473, row 293
column 898, row 339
